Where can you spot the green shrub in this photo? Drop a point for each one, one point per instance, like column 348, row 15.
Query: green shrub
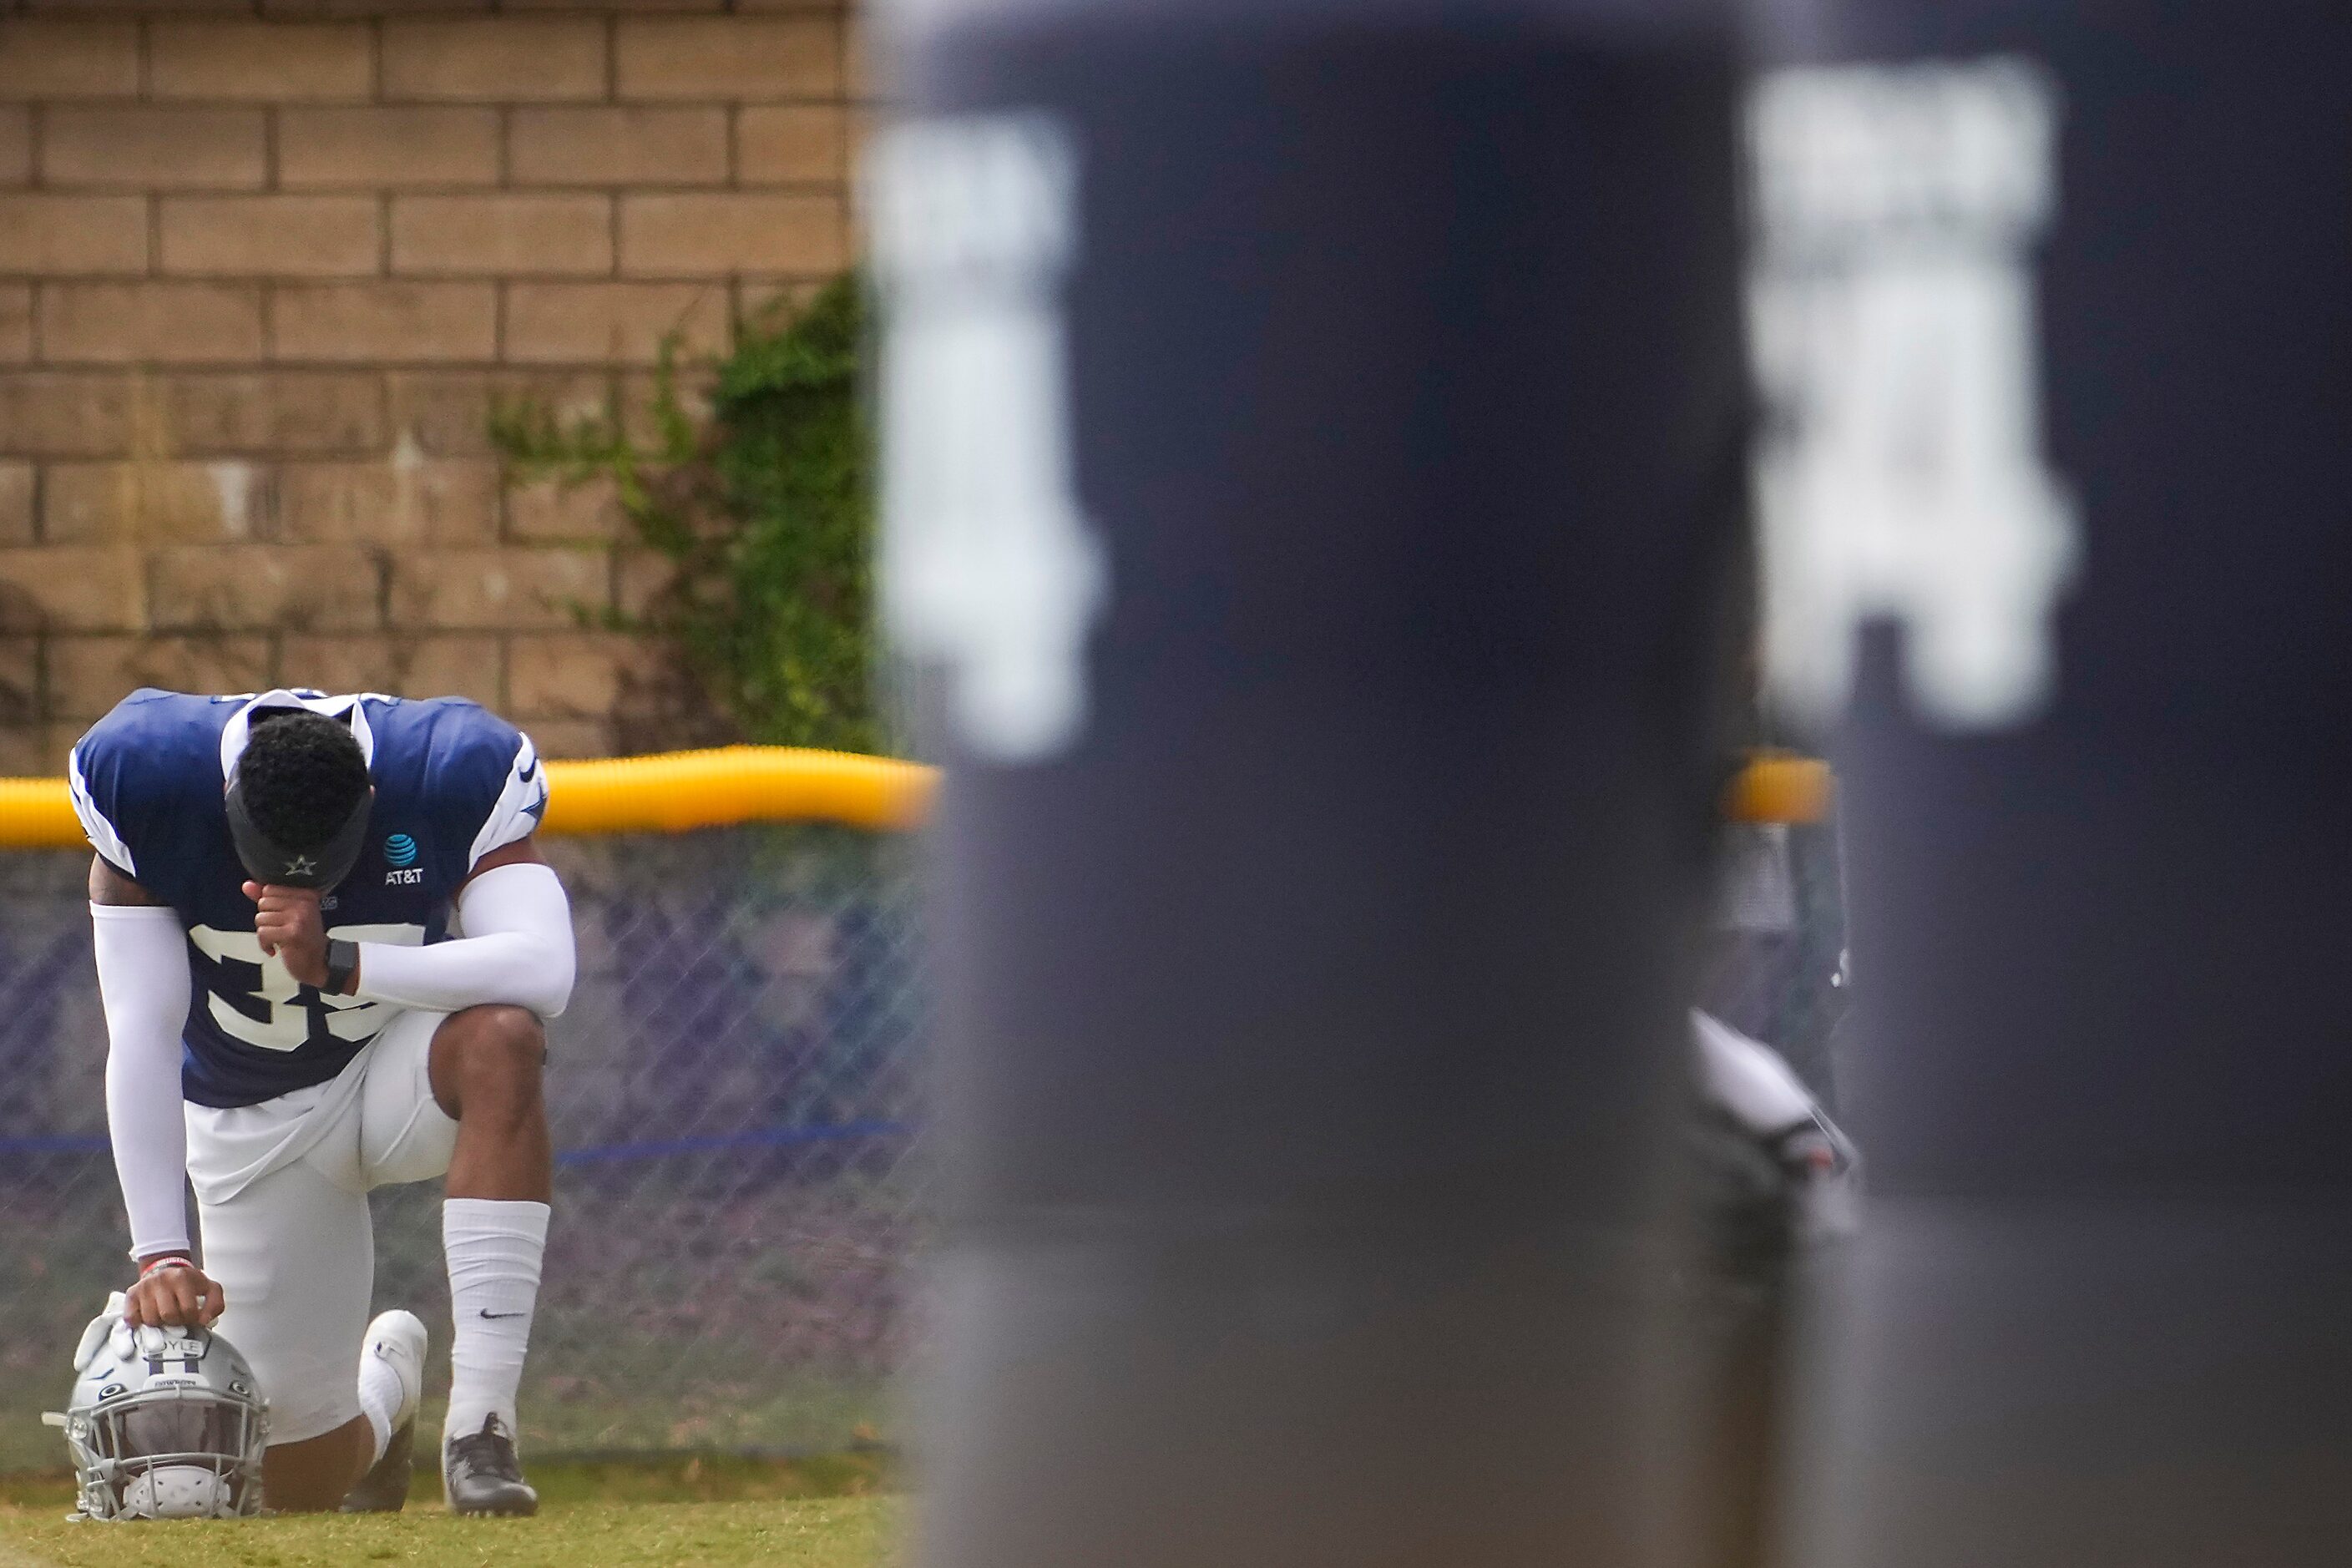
column 765, row 511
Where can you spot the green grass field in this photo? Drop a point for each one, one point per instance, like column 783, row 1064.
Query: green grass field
column 716, row 1512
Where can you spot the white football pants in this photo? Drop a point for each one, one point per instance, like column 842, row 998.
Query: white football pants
column 281, row 1195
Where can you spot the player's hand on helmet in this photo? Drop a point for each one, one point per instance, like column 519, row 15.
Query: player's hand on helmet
column 291, row 927
column 175, row 1295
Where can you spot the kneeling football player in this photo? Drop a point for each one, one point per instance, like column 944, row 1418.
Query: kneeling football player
column 326, row 945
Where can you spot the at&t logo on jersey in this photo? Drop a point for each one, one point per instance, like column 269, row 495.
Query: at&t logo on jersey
column 400, row 854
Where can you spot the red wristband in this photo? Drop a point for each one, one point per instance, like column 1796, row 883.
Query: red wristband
column 165, row 1260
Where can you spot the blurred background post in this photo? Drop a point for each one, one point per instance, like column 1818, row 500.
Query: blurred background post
column 2053, row 324
column 1314, row 474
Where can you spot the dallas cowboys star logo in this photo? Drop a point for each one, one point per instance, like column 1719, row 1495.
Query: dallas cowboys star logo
column 301, row 865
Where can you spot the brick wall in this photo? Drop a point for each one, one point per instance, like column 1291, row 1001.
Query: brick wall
column 261, row 277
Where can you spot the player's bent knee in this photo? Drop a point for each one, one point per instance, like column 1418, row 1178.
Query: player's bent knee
column 490, row 1050
column 504, row 1042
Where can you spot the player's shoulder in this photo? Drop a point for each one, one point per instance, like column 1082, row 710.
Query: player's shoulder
column 459, row 765
column 142, row 775
column 157, row 740
column 441, row 732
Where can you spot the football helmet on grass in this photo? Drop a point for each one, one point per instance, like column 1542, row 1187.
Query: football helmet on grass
column 162, row 1423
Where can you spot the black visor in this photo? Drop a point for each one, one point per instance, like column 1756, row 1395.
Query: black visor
column 275, row 866
column 189, row 1425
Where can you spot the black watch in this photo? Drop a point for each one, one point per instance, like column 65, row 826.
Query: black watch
column 343, row 963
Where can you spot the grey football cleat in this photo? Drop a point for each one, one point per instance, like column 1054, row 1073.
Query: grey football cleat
column 482, row 1475
column 397, row 1340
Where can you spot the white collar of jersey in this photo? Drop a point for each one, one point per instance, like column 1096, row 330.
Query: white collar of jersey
column 240, row 723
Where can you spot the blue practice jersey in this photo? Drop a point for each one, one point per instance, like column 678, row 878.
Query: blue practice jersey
column 453, row 782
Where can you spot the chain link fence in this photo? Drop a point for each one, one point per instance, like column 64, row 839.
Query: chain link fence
column 733, row 1094
column 736, row 1103
column 1775, row 966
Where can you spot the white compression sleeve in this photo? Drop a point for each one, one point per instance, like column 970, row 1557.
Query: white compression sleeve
column 143, row 984
column 517, row 948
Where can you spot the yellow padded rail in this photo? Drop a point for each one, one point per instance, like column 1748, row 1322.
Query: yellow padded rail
column 37, row 814
column 1776, row 788
column 678, row 791
column 667, row 794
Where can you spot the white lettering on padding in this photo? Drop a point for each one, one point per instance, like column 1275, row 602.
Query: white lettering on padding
column 1892, row 320
column 987, row 563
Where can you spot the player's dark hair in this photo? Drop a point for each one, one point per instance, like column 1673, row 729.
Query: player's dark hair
column 300, row 777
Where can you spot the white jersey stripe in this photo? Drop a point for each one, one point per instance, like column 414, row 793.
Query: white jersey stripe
column 102, row 835
column 519, row 806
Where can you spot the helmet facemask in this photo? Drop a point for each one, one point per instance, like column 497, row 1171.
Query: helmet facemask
column 175, row 1431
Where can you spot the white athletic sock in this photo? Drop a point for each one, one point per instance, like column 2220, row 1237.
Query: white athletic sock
column 493, row 1246
column 379, row 1402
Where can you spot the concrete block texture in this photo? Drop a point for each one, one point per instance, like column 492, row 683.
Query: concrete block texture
column 268, row 271
column 447, row 413
column 251, row 587
column 572, row 737
column 616, row 323
column 48, row 234
column 271, row 236
column 545, row 512
column 641, row 577
column 15, row 145
column 151, row 322
column 387, row 147
column 406, row 500
column 518, row 588
column 396, row 323
column 494, row 60
column 15, row 323
column 624, row 145
column 158, row 501
column 701, row 236
column 274, row 413
column 51, row 413
column 579, row 675
column 155, row 147
column 729, row 59
column 68, row 58
column 17, row 490
column 399, row 664
column 86, row 675
column 792, row 144
column 20, row 684
column 502, row 234
column 213, row 58
column 72, row 588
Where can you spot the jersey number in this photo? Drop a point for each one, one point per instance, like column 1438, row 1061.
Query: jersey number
column 275, row 1011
